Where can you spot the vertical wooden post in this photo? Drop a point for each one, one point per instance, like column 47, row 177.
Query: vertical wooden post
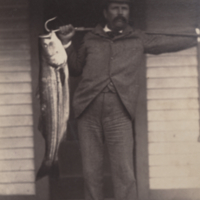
column 141, row 129
column 198, row 55
column 36, row 28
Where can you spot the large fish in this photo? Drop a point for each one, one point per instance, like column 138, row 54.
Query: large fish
column 54, row 100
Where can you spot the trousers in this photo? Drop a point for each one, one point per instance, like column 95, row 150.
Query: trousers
column 106, row 120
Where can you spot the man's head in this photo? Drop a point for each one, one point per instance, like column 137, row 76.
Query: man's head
column 116, row 13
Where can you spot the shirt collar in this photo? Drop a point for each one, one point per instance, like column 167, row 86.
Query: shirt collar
column 99, row 30
column 106, row 29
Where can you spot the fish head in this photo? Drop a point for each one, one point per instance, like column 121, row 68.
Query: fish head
column 52, row 50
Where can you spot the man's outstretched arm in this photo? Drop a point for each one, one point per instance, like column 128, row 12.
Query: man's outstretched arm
column 156, row 44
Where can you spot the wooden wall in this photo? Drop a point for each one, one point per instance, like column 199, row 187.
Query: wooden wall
column 173, row 107
column 16, row 121
column 20, row 147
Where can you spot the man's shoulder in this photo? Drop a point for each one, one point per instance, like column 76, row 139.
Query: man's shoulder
column 95, row 32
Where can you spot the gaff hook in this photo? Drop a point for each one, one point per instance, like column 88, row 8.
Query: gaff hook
column 76, row 28
column 45, row 25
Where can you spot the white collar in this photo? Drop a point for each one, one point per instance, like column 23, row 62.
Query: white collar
column 106, row 29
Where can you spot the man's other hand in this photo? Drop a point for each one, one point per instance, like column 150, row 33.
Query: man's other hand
column 66, row 33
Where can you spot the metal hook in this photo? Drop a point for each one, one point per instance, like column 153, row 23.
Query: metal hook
column 76, row 28
column 45, row 25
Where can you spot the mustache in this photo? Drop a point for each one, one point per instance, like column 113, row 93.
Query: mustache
column 120, row 18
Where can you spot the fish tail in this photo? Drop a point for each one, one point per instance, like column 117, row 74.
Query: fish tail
column 44, row 170
column 48, row 169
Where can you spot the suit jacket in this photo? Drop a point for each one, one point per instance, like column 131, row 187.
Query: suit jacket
column 101, row 60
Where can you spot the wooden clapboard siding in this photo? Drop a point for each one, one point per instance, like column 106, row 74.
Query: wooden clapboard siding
column 15, row 88
column 14, row 55
column 171, row 104
column 10, row 143
column 17, row 189
column 16, row 165
column 173, row 136
column 173, row 93
column 23, row 131
column 19, row 34
column 174, row 125
column 174, row 148
column 19, row 177
column 171, row 70
column 174, row 160
column 16, row 109
column 175, row 183
column 15, row 77
column 6, row 66
column 173, row 120
column 173, row 115
column 174, row 171
column 13, row 154
column 185, row 82
column 10, row 121
column 16, row 120
column 12, row 99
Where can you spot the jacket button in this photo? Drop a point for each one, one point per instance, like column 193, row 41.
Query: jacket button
column 112, row 58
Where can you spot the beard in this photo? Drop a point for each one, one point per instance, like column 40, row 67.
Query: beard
column 119, row 22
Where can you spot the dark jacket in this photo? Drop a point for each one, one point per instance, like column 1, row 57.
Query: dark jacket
column 101, row 60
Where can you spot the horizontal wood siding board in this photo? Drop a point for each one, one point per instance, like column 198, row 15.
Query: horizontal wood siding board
column 182, row 82
column 14, row 24
column 17, row 173
column 17, row 189
column 16, row 12
column 16, row 165
column 174, row 171
column 12, row 143
column 171, row 61
column 9, row 121
column 15, row 66
column 173, row 115
column 14, row 44
column 15, row 88
column 175, row 183
column 173, row 104
column 19, row 177
column 172, row 93
column 178, row 194
column 8, row 132
column 15, row 77
column 23, row 153
column 174, row 148
column 10, row 99
column 12, row 110
column 173, row 126
column 175, row 160
column 173, row 136
column 187, row 125
column 19, row 34
column 169, row 72
column 15, row 56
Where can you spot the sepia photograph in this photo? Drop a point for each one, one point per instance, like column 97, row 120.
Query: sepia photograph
column 99, row 100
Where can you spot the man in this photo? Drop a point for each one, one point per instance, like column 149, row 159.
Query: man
column 104, row 102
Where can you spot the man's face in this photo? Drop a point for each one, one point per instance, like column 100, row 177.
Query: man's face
column 117, row 15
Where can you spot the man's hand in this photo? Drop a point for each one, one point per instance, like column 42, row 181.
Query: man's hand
column 66, row 33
